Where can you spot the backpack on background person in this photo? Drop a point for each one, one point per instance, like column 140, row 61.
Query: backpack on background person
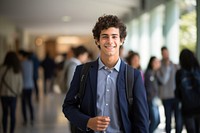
column 190, row 91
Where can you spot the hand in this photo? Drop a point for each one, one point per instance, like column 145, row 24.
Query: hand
column 99, row 123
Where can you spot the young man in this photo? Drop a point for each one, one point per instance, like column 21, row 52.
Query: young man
column 104, row 106
column 166, row 77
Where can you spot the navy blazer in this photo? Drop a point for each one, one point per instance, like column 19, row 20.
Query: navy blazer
column 137, row 122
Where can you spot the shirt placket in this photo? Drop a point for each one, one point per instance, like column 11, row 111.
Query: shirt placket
column 107, row 93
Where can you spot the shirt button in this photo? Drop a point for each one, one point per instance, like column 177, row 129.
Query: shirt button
column 107, row 90
column 106, row 104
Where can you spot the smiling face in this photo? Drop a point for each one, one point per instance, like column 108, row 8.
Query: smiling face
column 109, row 42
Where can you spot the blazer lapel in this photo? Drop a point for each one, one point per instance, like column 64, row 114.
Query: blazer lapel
column 121, row 87
column 93, row 81
column 121, row 77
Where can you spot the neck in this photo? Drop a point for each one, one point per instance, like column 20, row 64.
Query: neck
column 110, row 62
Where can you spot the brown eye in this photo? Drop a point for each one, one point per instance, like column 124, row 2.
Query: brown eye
column 104, row 37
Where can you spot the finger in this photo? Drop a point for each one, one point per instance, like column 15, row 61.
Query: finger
column 103, row 123
column 106, row 119
column 101, row 128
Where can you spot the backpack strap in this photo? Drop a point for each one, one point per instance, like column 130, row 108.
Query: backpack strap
column 84, row 75
column 129, row 84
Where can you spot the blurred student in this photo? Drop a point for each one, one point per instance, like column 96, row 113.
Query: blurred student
column 28, row 86
column 80, row 56
column 36, row 64
column 133, row 60
column 166, row 76
column 151, row 85
column 10, row 87
column 49, row 68
column 185, row 80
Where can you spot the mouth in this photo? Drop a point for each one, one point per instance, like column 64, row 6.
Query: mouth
column 110, row 47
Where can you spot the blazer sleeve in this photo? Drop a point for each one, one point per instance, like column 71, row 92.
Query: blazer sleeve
column 70, row 106
column 140, row 112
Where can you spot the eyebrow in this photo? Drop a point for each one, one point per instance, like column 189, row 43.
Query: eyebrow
column 107, row 34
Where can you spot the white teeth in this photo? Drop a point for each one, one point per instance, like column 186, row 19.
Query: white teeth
column 109, row 46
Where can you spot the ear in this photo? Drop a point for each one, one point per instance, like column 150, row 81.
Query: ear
column 97, row 42
column 121, row 42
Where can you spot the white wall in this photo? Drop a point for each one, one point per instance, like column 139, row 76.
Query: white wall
column 7, row 37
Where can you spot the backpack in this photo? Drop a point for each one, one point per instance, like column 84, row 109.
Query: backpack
column 129, row 82
column 190, row 91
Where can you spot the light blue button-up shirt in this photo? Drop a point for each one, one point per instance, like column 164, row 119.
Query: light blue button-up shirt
column 27, row 74
column 107, row 102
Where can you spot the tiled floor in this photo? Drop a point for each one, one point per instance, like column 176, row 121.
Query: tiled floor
column 48, row 116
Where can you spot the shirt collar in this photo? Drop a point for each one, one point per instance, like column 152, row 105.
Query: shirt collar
column 116, row 67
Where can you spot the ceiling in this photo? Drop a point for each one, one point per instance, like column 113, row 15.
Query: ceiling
column 43, row 17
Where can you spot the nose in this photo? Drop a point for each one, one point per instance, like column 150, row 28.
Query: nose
column 110, row 40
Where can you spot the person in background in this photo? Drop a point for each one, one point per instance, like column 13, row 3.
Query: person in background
column 63, row 75
column 104, row 107
column 36, row 64
column 151, row 85
column 188, row 63
column 69, row 55
column 49, row 68
column 80, row 56
column 128, row 55
column 10, row 87
column 59, row 73
column 133, row 60
column 166, row 77
column 28, row 86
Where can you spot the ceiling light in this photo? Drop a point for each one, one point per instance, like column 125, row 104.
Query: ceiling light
column 38, row 41
column 66, row 18
column 68, row 40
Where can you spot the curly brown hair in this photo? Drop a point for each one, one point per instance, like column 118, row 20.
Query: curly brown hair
column 107, row 21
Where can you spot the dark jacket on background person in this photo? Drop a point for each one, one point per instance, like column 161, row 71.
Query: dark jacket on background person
column 49, row 67
column 151, row 83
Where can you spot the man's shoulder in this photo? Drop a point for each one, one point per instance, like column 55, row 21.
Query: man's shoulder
column 91, row 63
